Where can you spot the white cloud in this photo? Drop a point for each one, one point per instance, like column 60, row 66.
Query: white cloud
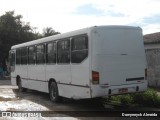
column 151, row 28
column 59, row 13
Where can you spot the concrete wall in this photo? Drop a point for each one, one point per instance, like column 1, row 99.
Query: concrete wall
column 153, row 63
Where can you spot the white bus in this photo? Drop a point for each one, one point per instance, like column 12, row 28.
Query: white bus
column 87, row 63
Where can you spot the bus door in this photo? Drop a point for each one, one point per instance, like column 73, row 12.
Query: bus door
column 12, row 58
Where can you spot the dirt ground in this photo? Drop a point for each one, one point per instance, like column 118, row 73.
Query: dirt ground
column 11, row 100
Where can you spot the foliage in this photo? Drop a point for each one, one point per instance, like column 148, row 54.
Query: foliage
column 123, row 99
column 127, row 99
column 14, row 31
column 147, row 98
column 48, row 31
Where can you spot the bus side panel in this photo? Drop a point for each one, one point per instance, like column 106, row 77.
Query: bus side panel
column 13, row 79
column 22, row 71
column 80, row 73
column 36, row 78
column 74, row 92
column 61, row 73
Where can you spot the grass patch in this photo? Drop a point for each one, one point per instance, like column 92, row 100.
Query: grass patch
column 148, row 98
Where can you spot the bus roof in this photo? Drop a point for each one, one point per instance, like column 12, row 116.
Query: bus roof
column 70, row 34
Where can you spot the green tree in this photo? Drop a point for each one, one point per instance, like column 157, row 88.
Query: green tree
column 13, row 31
column 48, row 31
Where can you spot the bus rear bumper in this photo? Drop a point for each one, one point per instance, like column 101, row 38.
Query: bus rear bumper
column 103, row 90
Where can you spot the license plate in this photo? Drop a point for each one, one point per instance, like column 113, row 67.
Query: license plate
column 123, row 90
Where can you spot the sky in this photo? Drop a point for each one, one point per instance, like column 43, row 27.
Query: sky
column 68, row 15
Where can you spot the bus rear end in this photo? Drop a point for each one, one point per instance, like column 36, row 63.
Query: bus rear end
column 118, row 63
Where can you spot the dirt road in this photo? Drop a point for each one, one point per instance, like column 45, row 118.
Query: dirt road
column 13, row 100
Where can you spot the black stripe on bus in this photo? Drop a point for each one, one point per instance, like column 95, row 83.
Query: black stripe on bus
column 34, row 79
column 133, row 79
column 57, row 83
column 31, row 79
column 74, row 85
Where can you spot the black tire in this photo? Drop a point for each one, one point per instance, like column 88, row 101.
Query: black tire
column 20, row 88
column 53, row 92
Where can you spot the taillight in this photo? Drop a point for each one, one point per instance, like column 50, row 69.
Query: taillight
column 146, row 74
column 95, row 77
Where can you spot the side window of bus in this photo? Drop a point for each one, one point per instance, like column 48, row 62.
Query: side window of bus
column 12, row 59
column 40, row 54
column 31, row 55
column 24, row 55
column 63, row 51
column 51, row 53
column 18, row 56
column 79, row 49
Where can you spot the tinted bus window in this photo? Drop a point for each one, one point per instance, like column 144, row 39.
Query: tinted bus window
column 31, row 55
column 63, row 51
column 18, row 56
column 12, row 59
column 24, row 55
column 51, row 53
column 79, row 49
column 40, row 54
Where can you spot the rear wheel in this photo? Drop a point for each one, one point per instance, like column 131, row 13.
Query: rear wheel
column 53, row 92
column 20, row 88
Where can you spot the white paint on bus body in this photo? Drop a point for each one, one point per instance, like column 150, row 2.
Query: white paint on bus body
column 115, row 53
